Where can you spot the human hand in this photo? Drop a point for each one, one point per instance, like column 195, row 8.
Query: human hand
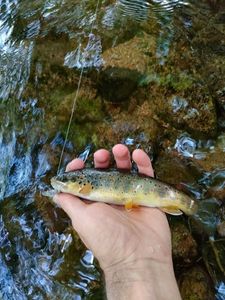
column 135, row 241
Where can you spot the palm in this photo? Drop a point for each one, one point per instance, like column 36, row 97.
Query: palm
column 126, row 234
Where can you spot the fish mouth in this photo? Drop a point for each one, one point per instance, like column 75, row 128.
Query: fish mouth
column 59, row 186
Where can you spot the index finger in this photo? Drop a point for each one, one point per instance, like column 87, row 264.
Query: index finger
column 75, row 164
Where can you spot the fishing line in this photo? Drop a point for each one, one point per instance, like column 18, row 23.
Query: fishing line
column 76, row 95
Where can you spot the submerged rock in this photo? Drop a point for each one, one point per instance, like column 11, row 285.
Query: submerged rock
column 195, row 284
column 124, row 65
column 221, row 229
column 217, row 184
column 175, row 170
column 117, row 84
column 214, row 152
column 192, row 110
column 213, row 255
column 204, row 223
column 183, row 244
column 221, row 99
column 221, row 223
column 134, row 122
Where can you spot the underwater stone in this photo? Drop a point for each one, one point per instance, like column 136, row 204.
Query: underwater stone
column 221, row 229
column 198, row 117
column 221, row 100
column 195, row 284
column 175, row 169
column 213, row 252
column 116, row 84
column 124, row 65
column 183, row 245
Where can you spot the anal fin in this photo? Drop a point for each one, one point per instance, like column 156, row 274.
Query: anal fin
column 172, row 210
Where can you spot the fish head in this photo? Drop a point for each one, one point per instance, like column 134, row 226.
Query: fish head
column 65, row 183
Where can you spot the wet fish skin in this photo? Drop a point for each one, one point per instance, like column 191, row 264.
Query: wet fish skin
column 115, row 187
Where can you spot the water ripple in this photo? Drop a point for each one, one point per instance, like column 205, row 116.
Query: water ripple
column 14, row 69
column 89, row 57
column 7, row 152
column 140, row 10
column 137, row 9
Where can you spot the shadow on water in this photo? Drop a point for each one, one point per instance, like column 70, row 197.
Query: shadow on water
column 153, row 77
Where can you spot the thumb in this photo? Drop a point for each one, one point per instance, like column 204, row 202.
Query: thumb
column 75, row 209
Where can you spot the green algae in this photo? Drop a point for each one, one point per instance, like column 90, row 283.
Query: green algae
column 177, row 82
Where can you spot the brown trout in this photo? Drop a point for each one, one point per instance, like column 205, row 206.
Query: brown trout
column 129, row 189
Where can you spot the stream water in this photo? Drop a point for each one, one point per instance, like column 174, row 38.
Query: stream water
column 153, row 77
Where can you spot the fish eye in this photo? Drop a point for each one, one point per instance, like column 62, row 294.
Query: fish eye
column 64, row 179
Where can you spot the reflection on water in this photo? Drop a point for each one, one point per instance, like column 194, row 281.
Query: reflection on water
column 15, row 56
column 88, row 57
column 140, row 10
column 136, row 9
column 166, row 57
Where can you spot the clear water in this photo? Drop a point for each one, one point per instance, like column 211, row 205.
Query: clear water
column 126, row 50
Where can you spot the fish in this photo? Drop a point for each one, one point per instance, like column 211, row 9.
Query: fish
column 123, row 188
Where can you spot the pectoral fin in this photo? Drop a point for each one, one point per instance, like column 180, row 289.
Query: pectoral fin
column 85, row 189
column 172, row 210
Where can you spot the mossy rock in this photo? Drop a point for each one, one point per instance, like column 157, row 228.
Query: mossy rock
column 124, row 65
column 195, row 284
column 134, row 122
column 197, row 116
column 175, row 169
column 183, row 244
column 117, row 84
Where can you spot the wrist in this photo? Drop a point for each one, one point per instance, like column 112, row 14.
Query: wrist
column 142, row 279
